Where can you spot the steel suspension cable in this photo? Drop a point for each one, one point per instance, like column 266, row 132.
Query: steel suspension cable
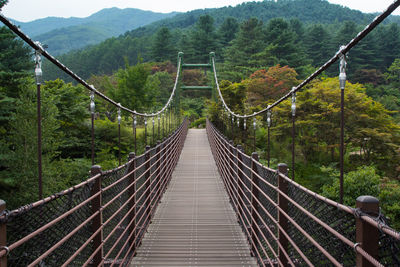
column 342, row 51
column 38, row 47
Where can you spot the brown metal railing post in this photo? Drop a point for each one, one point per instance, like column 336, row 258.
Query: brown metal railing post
column 132, row 202
column 283, row 204
column 254, row 204
column 148, row 182
column 233, row 178
column 158, row 174
column 3, row 235
column 240, row 180
column 367, row 236
column 98, row 219
column 39, row 141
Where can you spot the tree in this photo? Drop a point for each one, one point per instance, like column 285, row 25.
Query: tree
column 234, row 95
column 265, row 86
column 393, row 73
column 317, row 44
column 72, row 103
column 15, row 61
column 361, row 182
column 317, row 120
column 162, row 48
column 203, row 39
column 249, row 41
column 20, row 170
column 226, row 33
column 371, row 76
column 3, row 3
column 130, row 90
column 282, row 47
column 389, row 41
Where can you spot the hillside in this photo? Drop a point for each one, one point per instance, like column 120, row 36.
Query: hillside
column 110, row 55
column 65, row 34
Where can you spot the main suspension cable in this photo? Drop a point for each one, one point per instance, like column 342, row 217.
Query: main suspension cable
column 38, row 47
column 342, row 51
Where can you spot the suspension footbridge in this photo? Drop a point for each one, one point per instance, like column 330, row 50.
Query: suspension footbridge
column 195, row 199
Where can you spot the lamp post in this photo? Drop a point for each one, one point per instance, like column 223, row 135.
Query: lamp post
column 38, row 76
column 293, row 128
column 342, row 84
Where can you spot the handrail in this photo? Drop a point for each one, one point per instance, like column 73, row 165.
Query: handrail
column 319, row 225
column 129, row 193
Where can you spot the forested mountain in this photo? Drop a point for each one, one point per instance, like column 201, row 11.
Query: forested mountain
column 304, row 17
column 65, row 34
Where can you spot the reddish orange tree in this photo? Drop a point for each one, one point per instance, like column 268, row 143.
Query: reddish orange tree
column 263, row 86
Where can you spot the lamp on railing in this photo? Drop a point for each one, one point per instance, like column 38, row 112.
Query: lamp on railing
column 244, row 123
column 92, row 104
column 38, row 66
column 293, row 107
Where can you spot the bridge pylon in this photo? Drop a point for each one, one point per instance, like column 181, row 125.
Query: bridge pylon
column 205, row 66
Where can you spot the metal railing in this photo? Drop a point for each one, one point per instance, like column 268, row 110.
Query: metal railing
column 98, row 222
column 287, row 224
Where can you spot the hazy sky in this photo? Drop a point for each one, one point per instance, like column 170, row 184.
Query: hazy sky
column 27, row 10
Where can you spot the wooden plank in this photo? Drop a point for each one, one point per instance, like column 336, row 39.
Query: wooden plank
column 195, row 225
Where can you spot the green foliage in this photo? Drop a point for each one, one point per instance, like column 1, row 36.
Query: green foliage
column 3, row 3
column 163, row 48
column 393, row 73
column 317, row 121
column 131, row 91
column 199, row 123
column 361, row 182
column 249, row 41
column 265, row 86
column 389, row 198
column 203, row 40
column 192, row 108
column 21, row 163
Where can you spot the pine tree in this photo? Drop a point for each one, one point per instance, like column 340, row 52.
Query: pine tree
column 249, row 41
column 317, row 44
column 203, row 39
column 3, row 3
column 162, row 48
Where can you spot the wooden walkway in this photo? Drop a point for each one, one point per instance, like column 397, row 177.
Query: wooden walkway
column 194, row 224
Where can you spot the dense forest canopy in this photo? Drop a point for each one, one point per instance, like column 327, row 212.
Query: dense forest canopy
column 302, row 15
column 263, row 50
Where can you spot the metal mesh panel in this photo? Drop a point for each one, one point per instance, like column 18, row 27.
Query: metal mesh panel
column 341, row 221
column 28, row 219
column 270, row 177
column 389, row 250
column 140, row 196
column 112, row 209
column 246, row 187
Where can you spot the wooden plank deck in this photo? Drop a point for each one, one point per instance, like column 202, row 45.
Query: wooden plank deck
column 194, row 224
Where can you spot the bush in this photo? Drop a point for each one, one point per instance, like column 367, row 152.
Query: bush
column 199, row 123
